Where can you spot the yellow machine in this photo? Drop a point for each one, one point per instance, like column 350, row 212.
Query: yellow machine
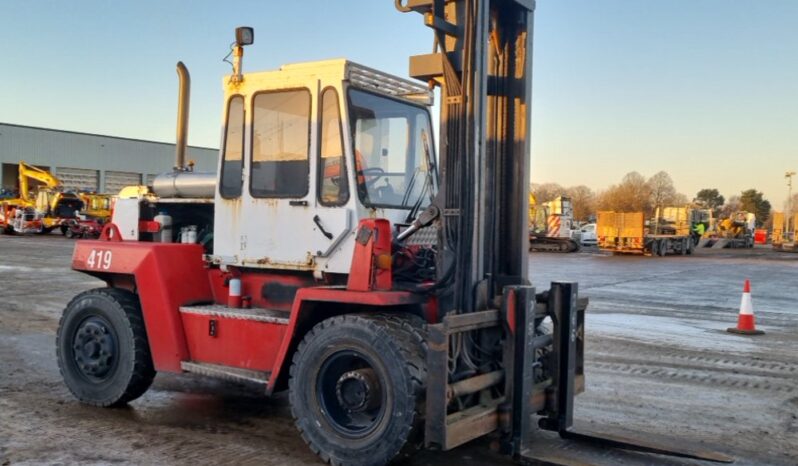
column 736, row 231
column 97, row 206
column 49, row 207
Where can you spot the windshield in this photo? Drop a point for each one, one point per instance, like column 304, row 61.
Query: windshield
column 392, row 140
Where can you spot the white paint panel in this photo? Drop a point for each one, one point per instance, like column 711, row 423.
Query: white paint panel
column 126, row 217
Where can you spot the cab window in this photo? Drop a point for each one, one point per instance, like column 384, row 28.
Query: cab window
column 280, row 144
column 392, row 151
column 232, row 159
column 333, row 182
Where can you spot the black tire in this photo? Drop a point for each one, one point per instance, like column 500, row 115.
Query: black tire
column 102, row 348
column 69, row 234
column 366, row 415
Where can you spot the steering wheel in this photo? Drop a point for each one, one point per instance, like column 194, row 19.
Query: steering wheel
column 375, row 172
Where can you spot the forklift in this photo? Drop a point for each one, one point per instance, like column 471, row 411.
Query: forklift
column 336, row 257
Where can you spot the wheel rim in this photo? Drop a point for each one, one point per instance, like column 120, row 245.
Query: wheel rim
column 94, row 349
column 350, row 393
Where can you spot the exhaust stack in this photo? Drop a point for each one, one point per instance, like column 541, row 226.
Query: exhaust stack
column 183, row 98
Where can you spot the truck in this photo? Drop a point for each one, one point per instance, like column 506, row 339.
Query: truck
column 551, row 225
column 334, row 260
column 670, row 231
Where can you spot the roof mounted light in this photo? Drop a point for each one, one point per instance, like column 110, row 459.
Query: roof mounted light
column 245, row 36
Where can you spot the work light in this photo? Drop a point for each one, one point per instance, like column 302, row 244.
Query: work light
column 245, row 35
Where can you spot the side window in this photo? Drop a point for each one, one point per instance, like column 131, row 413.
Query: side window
column 333, row 182
column 280, row 144
column 233, row 160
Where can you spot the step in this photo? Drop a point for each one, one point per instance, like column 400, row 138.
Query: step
column 218, row 371
column 221, row 311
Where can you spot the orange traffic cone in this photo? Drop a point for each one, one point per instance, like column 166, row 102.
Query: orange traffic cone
column 745, row 319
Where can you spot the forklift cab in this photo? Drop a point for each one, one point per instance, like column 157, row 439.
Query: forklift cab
column 310, row 149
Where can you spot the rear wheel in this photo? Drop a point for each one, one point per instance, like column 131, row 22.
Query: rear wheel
column 356, row 387
column 664, row 245
column 102, row 348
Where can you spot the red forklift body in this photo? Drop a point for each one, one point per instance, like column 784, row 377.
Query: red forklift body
column 165, row 276
column 183, row 300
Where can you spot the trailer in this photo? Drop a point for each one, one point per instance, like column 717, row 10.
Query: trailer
column 781, row 239
column 627, row 233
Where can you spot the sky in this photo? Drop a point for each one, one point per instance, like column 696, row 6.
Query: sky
column 706, row 90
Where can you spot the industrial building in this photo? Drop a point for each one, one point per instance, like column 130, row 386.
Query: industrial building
column 90, row 162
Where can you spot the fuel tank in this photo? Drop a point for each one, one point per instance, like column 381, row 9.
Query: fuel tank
column 191, row 185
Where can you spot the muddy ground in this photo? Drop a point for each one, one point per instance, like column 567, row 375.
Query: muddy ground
column 659, row 363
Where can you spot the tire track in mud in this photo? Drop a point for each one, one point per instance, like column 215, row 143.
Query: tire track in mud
column 741, row 405
column 698, row 376
column 656, row 276
column 181, row 420
column 724, row 370
column 65, row 431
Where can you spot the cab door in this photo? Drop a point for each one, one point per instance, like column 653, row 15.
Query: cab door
column 295, row 213
column 277, row 202
column 334, row 214
column 283, row 200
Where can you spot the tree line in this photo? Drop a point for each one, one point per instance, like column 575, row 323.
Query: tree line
column 636, row 193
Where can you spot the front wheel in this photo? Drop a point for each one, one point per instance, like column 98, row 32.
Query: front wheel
column 102, row 348
column 356, row 387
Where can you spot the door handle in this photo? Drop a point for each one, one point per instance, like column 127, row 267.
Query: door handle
column 324, row 232
column 298, row 203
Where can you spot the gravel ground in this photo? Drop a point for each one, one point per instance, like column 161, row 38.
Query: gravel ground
column 659, row 363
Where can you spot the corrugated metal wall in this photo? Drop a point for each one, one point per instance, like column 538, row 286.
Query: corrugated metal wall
column 78, row 179
column 67, row 151
column 115, row 181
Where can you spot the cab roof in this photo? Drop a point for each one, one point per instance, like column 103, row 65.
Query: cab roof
column 341, row 69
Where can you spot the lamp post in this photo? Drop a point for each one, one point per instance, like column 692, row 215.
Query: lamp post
column 788, row 220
